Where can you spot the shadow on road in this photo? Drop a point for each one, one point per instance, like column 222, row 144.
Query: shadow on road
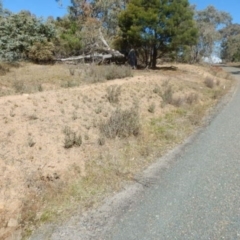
column 235, row 72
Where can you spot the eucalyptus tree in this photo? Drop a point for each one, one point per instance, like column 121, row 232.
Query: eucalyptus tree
column 97, row 14
column 231, row 43
column 158, row 27
column 18, row 32
column 209, row 22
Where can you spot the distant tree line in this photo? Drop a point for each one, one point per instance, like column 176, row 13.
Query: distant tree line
column 169, row 29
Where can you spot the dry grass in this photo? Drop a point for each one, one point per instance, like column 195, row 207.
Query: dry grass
column 29, row 78
column 111, row 135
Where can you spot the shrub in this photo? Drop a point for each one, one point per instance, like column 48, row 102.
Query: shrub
column 72, row 71
column 71, row 138
column 115, row 71
column 209, row 82
column 177, row 101
column 157, row 90
column 19, row 86
column 192, row 98
column 95, row 73
column 101, row 141
column 41, row 52
column 151, row 108
column 113, row 93
column 167, row 95
column 122, row 123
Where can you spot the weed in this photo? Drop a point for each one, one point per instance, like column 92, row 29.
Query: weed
column 33, row 117
column 113, row 93
column 151, row 108
column 98, row 110
column 107, row 72
column 39, row 87
column 165, row 84
column 196, row 115
column 177, row 101
column 157, row 90
column 69, row 84
column 192, row 98
column 217, row 94
column 86, row 137
column 31, row 142
column 101, row 141
column 12, row 114
column 18, row 86
column 114, row 72
column 72, row 71
column 167, row 95
column 122, row 123
column 209, row 82
column 71, row 138
column 74, row 116
column 105, row 114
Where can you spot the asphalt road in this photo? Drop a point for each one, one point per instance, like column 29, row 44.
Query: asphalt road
column 199, row 196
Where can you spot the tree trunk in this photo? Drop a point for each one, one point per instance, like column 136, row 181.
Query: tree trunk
column 154, row 57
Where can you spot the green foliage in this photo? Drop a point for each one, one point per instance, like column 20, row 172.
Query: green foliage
column 41, row 52
column 19, row 31
column 106, row 12
column 158, row 27
column 68, row 41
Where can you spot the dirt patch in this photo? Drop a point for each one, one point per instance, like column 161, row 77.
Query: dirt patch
column 41, row 178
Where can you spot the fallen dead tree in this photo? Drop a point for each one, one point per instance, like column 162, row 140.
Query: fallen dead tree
column 99, row 52
column 99, row 56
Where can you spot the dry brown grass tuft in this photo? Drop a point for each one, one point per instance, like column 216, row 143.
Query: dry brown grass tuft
column 192, row 98
column 122, row 123
column 94, row 73
column 209, row 82
column 167, row 95
column 113, row 93
column 71, row 138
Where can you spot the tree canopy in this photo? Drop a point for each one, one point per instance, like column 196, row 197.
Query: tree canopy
column 230, row 48
column 209, row 21
column 158, row 27
column 155, row 28
column 18, row 32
